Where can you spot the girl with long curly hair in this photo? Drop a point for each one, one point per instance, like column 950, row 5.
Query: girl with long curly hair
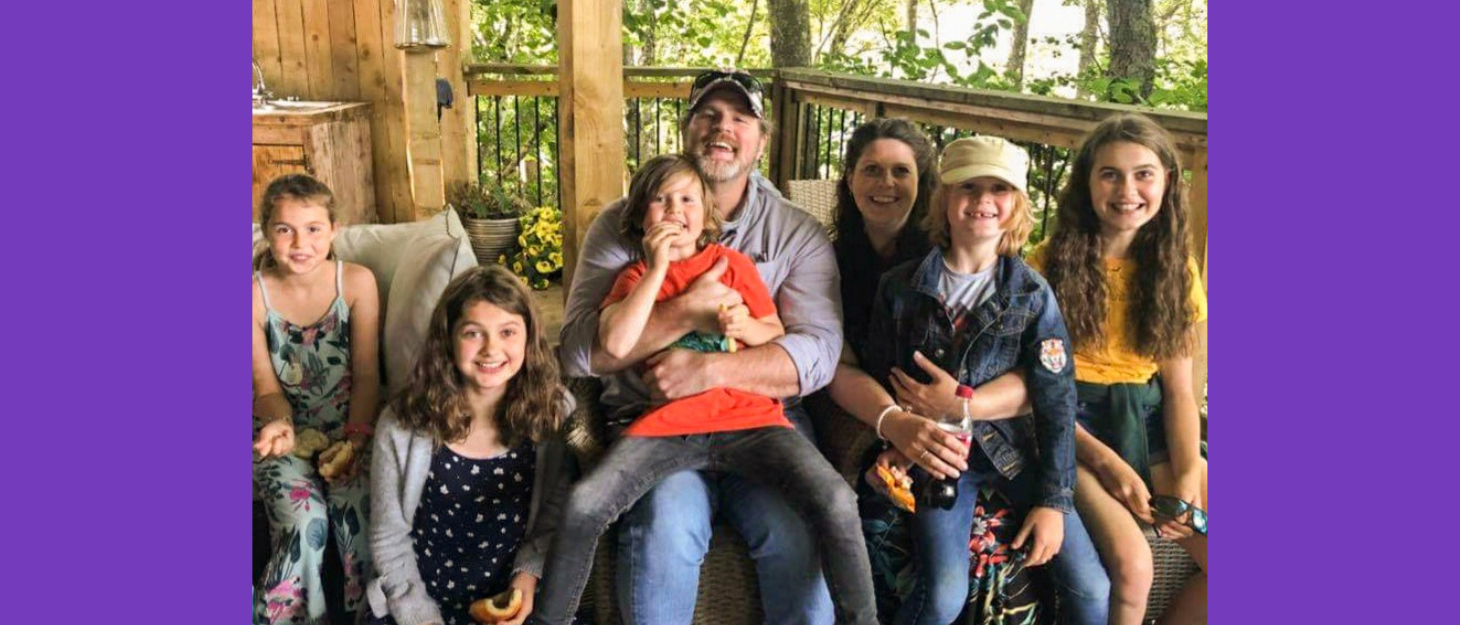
column 469, row 469
column 1133, row 300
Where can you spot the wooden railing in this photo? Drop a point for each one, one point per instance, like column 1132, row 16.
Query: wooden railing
column 815, row 112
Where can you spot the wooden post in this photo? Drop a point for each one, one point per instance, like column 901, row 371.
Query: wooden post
column 458, row 123
column 785, row 158
column 423, row 133
column 590, row 116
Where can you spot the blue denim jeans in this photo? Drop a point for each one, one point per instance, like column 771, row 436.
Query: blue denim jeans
column 780, row 459
column 940, row 539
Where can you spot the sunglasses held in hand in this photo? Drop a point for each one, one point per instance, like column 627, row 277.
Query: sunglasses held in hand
column 1168, row 507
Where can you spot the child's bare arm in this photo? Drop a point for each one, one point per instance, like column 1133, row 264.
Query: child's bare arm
column 269, row 404
column 622, row 323
column 364, row 344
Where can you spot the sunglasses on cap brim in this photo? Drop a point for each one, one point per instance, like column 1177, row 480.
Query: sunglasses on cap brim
column 740, row 78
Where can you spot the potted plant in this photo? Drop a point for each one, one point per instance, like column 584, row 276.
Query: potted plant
column 538, row 258
column 489, row 213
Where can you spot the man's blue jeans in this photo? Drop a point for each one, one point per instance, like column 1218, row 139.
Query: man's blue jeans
column 940, row 539
column 664, row 538
column 774, row 456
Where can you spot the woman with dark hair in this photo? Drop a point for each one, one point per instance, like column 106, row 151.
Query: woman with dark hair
column 880, row 203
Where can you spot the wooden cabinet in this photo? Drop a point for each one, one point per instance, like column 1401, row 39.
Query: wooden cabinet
column 327, row 140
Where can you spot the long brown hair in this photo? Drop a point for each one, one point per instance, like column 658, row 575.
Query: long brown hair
column 433, row 401
column 298, row 187
column 1161, row 309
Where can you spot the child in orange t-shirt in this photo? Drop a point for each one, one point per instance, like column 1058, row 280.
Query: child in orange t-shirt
column 670, row 208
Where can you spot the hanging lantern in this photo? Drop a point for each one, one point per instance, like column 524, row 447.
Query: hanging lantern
column 420, row 24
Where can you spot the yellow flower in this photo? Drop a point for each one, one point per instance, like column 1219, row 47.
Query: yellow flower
column 517, row 267
column 522, row 239
column 544, row 266
column 540, row 284
column 557, row 259
column 533, row 252
column 502, row 260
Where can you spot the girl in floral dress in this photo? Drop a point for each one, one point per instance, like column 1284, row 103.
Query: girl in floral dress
column 315, row 367
column 469, row 470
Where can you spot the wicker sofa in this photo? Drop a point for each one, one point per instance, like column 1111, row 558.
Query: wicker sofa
column 412, row 263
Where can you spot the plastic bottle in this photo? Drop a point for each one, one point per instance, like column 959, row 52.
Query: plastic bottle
column 942, row 493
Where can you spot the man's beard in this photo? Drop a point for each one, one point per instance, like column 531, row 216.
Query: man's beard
column 717, row 171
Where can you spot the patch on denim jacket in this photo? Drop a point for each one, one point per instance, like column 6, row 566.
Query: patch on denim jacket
column 1052, row 355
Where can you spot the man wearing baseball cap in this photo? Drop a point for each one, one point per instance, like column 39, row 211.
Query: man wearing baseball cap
column 663, row 538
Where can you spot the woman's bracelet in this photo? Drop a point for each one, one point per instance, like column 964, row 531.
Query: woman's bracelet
column 364, row 429
column 882, row 415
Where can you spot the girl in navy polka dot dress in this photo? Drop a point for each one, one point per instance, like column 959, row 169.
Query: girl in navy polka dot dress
column 470, row 471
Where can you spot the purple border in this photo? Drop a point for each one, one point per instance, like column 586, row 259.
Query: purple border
column 1330, row 163
column 126, row 467
column 121, row 421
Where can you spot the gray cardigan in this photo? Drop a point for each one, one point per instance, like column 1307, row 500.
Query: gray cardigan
column 398, row 475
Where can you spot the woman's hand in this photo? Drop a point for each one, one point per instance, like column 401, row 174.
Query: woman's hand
column 939, row 397
column 1045, row 528
column 276, row 438
column 528, row 584
column 1123, row 483
column 921, row 440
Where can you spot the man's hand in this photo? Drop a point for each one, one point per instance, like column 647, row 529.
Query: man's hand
column 677, row 373
column 702, row 300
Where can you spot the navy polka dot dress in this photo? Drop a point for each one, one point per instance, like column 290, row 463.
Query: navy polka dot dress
column 473, row 514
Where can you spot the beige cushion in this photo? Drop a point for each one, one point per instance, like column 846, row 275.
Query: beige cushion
column 428, row 264
column 412, row 263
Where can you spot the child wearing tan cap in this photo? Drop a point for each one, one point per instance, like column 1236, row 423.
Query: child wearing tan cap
column 966, row 313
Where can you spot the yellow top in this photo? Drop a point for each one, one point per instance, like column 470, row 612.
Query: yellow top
column 1117, row 361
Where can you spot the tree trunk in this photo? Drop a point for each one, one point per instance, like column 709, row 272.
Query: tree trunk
column 912, row 18
column 847, row 22
column 1021, row 42
column 647, row 52
column 790, row 33
column 1132, row 43
column 1089, row 44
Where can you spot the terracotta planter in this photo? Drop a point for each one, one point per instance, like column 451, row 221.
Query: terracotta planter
column 491, row 238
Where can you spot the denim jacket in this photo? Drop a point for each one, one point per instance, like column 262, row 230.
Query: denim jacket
column 1018, row 327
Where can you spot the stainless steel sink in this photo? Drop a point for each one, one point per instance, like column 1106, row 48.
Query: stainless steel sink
column 290, row 106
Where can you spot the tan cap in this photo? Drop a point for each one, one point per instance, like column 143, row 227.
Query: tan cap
column 971, row 157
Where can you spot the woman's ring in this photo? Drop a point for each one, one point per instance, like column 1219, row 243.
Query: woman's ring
column 924, row 456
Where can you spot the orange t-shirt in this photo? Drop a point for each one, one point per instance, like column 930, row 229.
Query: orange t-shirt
column 717, row 409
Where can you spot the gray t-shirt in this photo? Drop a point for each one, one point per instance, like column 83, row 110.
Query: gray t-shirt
column 963, row 292
column 792, row 254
